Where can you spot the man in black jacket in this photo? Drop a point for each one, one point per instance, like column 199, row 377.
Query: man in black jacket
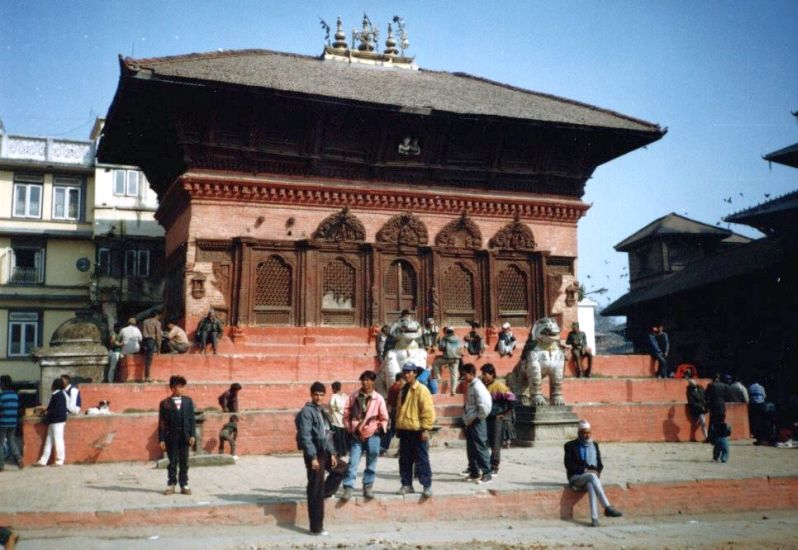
column 314, row 439
column 176, row 433
column 583, row 467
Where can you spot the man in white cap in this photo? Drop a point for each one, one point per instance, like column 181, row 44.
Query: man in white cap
column 583, row 467
column 506, row 344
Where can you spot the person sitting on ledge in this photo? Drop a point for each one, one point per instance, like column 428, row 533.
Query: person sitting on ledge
column 209, row 328
column 176, row 340
column 583, row 467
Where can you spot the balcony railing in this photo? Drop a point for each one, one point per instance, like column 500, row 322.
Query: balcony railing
column 26, row 275
column 42, row 149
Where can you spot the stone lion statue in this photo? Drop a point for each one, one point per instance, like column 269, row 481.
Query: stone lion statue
column 405, row 335
column 543, row 357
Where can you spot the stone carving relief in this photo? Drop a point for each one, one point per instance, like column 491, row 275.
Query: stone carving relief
column 404, row 229
column 461, row 233
column 514, row 236
column 340, row 227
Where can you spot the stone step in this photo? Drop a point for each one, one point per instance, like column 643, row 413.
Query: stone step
column 293, row 394
column 133, row 437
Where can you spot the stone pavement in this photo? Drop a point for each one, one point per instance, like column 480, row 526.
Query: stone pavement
column 264, row 480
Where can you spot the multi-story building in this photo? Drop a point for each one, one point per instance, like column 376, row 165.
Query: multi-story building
column 47, row 189
column 130, row 243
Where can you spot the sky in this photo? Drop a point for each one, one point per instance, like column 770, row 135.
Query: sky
column 721, row 76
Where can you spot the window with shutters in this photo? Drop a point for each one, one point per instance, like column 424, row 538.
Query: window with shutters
column 457, row 290
column 512, row 294
column 399, row 289
column 273, row 297
column 338, row 293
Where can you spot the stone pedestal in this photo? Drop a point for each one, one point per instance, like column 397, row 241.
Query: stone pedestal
column 545, row 425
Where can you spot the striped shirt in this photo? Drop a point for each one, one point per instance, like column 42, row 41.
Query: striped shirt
column 9, row 409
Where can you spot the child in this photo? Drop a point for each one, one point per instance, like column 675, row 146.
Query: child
column 228, row 401
column 475, row 345
column 229, row 433
column 176, row 433
column 720, row 432
column 506, row 344
column 382, row 339
column 429, row 335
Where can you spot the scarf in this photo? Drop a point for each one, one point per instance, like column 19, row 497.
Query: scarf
column 587, row 452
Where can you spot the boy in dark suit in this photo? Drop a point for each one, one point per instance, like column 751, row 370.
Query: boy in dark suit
column 176, row 433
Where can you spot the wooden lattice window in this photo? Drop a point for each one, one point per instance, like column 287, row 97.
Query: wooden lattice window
column 399, row 289
column 458, row 295
column 513, row 296
column 272, row 300
column 338, row 293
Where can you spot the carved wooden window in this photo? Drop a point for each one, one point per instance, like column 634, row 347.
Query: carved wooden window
column 399, row 289
column 458, row 295
column 512, row 295
column 338, row 293
column 272, row 300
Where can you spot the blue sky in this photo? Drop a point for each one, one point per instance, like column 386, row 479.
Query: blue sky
column 722, row 76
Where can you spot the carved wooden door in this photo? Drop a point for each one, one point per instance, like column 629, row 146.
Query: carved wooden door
column 400, row 290
column 459, row 293
column 513, row 293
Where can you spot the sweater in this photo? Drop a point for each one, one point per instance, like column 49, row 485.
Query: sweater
column 9, row 409
column 478, row 402
column 57, row 408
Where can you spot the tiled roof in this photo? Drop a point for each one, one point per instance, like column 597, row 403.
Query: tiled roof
column 773, row 206
column 759, row 255
column 458, row 93
column 787, row 156
column 671, row 224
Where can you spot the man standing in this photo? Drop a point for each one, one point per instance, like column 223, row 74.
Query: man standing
column 176, row 339
column 9, row 418
column 72, row 393
column 176, row 431
column 503, row 402
column 583, row 468
column 478, row 404
column 365, row 419
column 415, row 417
column 577, row 340
column 314, row 439
column 655, row 351
column 152, row 334
column 451, row 347
column 55, row 417
column 209, row 328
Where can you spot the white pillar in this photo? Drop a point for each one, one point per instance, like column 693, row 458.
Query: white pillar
column 586, row 315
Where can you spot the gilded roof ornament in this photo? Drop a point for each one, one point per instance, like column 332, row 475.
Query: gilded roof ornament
column 340, row 36
column 368, row 37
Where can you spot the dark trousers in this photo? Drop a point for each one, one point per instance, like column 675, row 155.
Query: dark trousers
column 495, row 426
column 205, row 336
column 413, row 451
column 578, row 354
column 320, row 488
column 149, row 350
column 177, row 451
column 387, row 437
column 662, row 370
column 477, row 448
column 5, row 534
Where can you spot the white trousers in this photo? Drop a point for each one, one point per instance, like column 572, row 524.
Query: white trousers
column 590, row 482
column 55, row 435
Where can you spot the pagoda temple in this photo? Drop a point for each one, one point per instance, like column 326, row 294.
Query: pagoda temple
column 338, row 190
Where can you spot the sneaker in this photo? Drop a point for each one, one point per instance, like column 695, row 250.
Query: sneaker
column 320, row 533
column 494, row 472
column 474, row 479
column 39, row 465
column 466, row 473
column 611, row 512
column 427, row 492
column 368, row 492
column 185, row 490
column 486, row 478
column 406, row 490
column 20, row 464
column 235, row 457
column 170, row 490
column 594, row 522
column 347, row 494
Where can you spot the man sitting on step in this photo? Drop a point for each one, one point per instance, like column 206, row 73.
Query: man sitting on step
column 583, row 467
